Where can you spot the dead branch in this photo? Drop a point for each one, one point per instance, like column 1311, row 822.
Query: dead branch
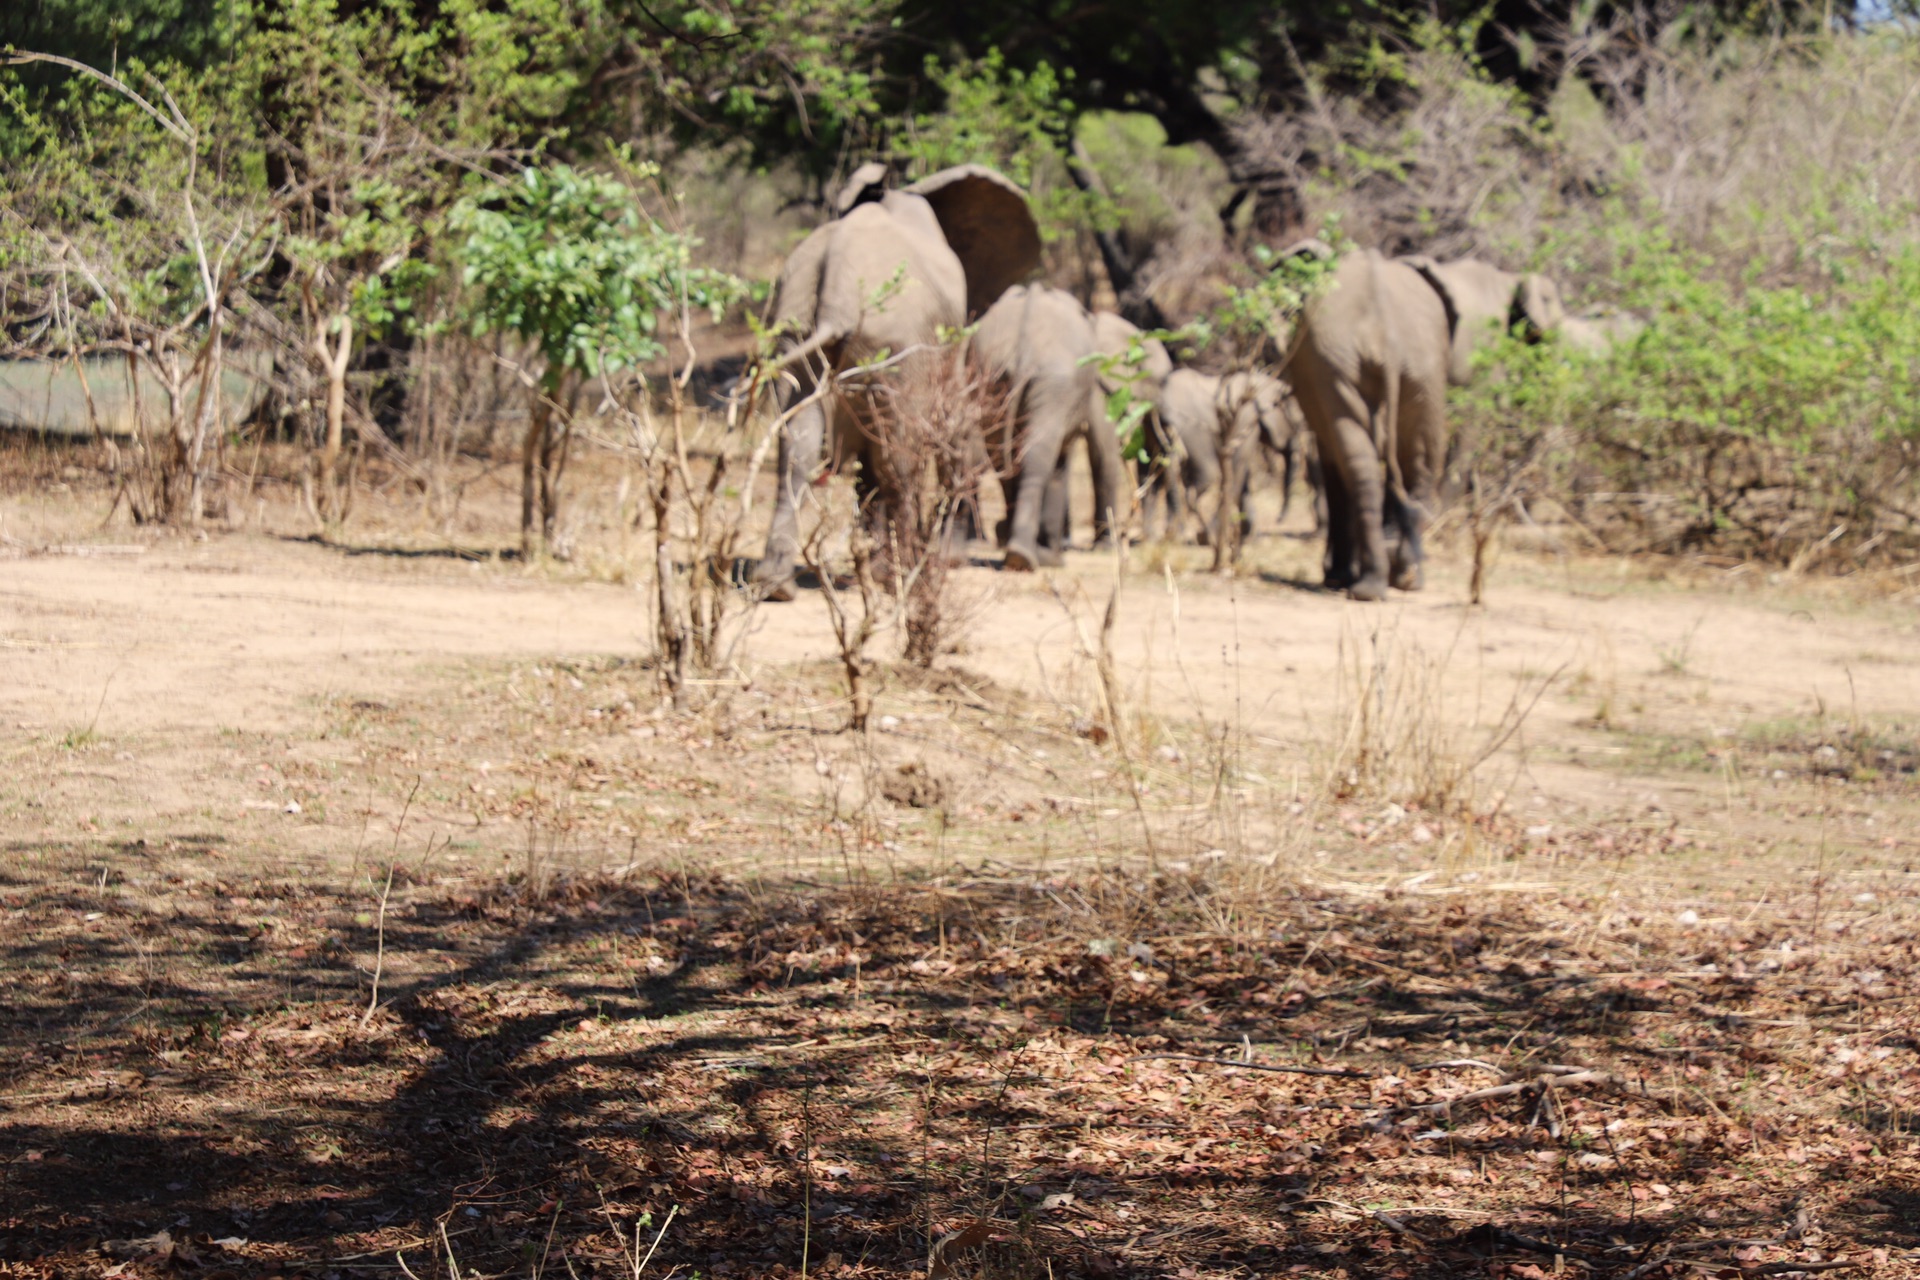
column 1338, row 1072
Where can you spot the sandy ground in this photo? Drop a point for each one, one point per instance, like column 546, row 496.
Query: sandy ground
column 163, row 662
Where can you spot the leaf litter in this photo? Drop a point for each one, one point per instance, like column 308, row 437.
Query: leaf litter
column 985, row 1073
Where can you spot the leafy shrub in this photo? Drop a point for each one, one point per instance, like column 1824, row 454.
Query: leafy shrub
column 1772, row 420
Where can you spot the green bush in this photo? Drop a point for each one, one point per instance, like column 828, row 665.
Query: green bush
column 1748, row 418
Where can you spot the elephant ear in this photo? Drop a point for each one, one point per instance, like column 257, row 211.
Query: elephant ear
column 989, row 226
column 868, row 183
column 1537, row 303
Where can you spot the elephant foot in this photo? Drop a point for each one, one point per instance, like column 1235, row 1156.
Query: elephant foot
column 1027, row 559
column 1409, row 577
column 1371, row 588
column 774, row 581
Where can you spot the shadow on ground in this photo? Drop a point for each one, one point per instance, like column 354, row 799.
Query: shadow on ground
column 192, row 1079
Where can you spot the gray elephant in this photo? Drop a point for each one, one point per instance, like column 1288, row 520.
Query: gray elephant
column 1483, row 302
column 1037, row 340
column 1211, row 433
column 1598, row 330
column 1142, row 366
column 882, row 278
column 1370, row 365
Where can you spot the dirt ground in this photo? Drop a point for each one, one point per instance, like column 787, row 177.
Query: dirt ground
column 365, row 910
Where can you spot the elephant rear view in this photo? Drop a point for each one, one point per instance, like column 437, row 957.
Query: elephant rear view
column 1212, row 430
column 1038, row 340
column 1370, row 369
column 885, row 276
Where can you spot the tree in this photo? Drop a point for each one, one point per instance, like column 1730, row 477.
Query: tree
column 566, row 261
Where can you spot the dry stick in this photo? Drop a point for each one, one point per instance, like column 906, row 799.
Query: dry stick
column 1252, row 1066
column 453, row 1266
column 380, row 945
column 658, row 1237
column 1544, row 1082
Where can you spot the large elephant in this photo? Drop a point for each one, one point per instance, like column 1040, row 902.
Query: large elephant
column 1370, row 367
column 1211, row 431
column 884, row 277
column 1037, row 340
column 1483, row 302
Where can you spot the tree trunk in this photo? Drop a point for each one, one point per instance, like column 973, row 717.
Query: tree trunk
column 333, row 362
column 1132, row 301
column 533, row 451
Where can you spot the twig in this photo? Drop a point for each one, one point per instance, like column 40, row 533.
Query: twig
column 380, row 938
column 1544, row 1082
column 1252, row 1066
column 658, row 1237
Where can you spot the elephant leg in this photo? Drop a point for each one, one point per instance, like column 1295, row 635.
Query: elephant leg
column 1419, row 441
column 1046, row 419
column 1156, row 497
column 1243, row 498
column 1353, row 455
column 1336, row 519
column 1317, row 488
column 961, row 483
column 1202, row 476
column 802, row 443
column 878, row 511
column 1112, row 495
column 1289, row 470
column 1409, row 554
column 1056, row 508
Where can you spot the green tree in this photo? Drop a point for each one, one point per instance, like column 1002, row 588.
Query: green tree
column 567, row 261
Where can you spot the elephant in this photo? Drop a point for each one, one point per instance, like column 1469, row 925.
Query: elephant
column 1037, row 341
column 1144, row 376
column 1211, row 431
column 1482, row 302
column 884, row 277
column 1597, row 331
column 1370, row 364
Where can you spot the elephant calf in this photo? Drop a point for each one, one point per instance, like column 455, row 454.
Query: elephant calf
column 1208, row 436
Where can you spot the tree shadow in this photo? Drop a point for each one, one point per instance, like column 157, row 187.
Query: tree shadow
column 852, row 1071
column 471, row 555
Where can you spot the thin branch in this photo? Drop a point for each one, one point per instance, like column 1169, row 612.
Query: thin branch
column 1253, row 1066
column 175, row 126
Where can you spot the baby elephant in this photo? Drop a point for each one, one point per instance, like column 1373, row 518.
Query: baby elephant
column 1210, row 434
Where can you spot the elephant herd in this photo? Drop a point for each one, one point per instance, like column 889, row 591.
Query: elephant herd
column 872, row 293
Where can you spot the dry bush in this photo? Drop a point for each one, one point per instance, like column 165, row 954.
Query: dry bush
column 687, row 463
column 1395, row 737
column 929, row 427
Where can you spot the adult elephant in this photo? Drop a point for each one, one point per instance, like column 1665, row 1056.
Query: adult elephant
column 1038, row 342
column 1370, row 366
column 1484, row 302
column 1211, row 432
column 884, row 277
